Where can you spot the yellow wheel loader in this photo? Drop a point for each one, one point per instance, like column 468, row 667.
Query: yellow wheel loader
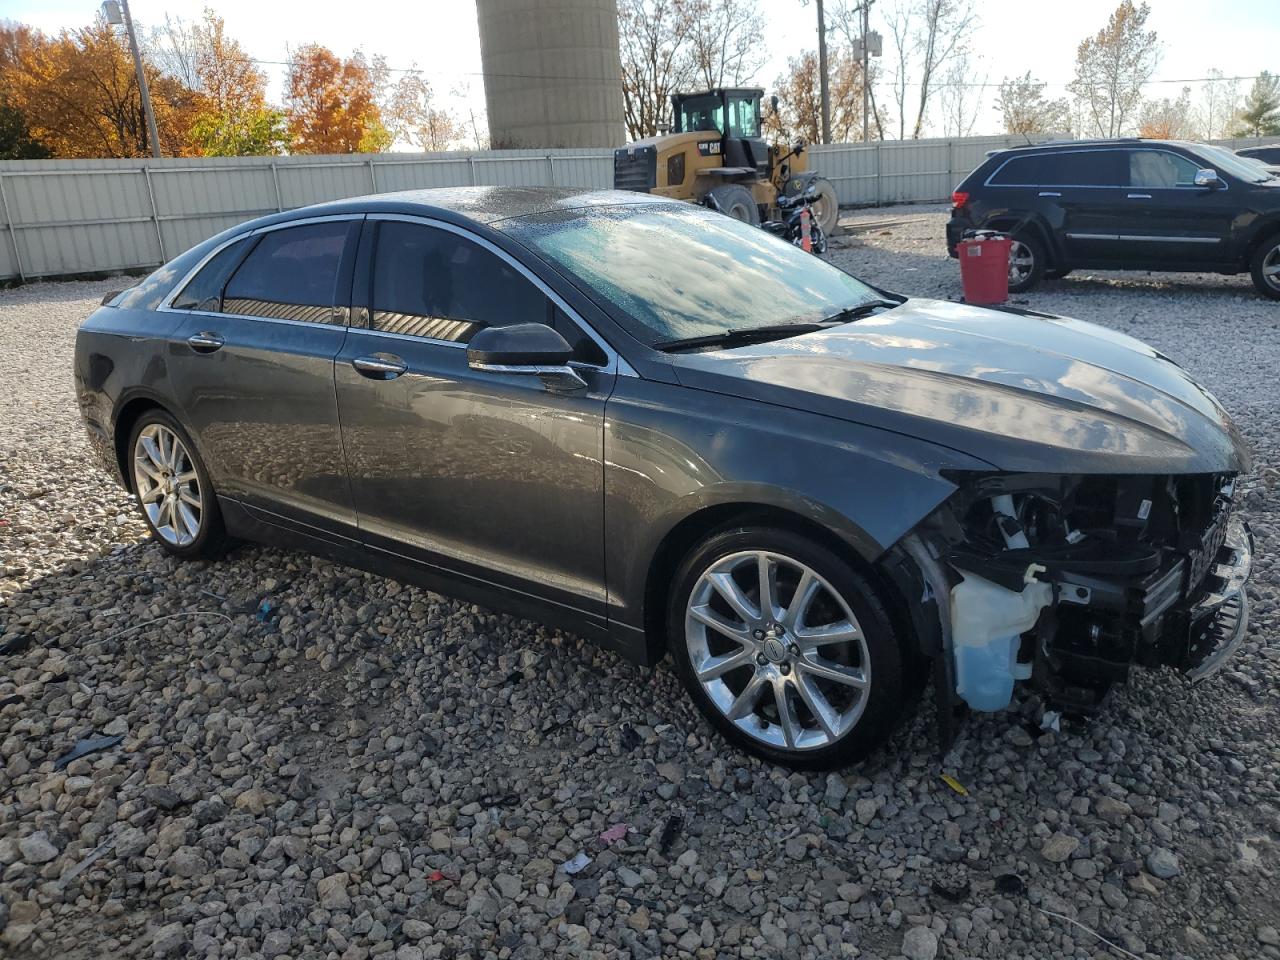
column 716, row 148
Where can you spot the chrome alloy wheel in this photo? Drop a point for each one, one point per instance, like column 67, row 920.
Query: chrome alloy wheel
column 1271, row 268
column 168, row 487
column 777, row 650
column 1021, row 262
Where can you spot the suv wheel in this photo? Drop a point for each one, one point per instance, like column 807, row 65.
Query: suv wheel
column 173, row 490
column 785, row 648
column 1026, row 263
column 1265, row 267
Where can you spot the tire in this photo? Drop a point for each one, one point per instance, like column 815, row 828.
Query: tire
column 859, row 680
column 1265, row 267
column 1023, row 278
column 817, row 239
column 736, row 201
column 172, row 489
column 826, row 209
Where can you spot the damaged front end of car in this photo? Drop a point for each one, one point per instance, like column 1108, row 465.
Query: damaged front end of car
column 1070, row 581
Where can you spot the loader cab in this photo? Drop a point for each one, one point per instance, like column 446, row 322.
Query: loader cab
column 735, row 115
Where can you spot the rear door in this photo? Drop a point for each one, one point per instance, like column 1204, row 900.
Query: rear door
column 487, row 477
column 1167, row 217
column 251, row 365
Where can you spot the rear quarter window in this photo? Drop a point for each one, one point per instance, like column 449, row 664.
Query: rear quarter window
column 204, row 290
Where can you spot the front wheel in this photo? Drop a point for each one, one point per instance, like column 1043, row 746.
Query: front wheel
column 173, row 489
column 785, row 648
column 1265, row 267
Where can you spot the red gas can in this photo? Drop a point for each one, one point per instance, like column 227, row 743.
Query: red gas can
column 984, row 269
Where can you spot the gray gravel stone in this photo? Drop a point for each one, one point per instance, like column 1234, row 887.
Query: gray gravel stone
column 1163, row 863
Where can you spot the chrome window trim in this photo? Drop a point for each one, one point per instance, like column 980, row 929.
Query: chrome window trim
column 614, row 363
column 165, row 304
column 1090, row 186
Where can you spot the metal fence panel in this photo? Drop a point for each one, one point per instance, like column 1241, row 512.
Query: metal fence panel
column 61, row 217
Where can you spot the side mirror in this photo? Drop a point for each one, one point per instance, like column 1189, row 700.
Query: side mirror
column 530, row 349
column 1208, row 177
column 773, row 103
column 798, row 147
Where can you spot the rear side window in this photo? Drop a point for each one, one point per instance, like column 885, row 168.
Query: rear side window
column 292, row 274
column 1077, row 168
column 204, row 291
column 433, row 283
column 1160, row 169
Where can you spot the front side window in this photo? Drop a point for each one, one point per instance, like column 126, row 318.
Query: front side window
column 292, row 274
column 204, row 290
column 1160, row 170
column 1222, row 159
column 675, row 271
column 432, row 283
column 742, row 118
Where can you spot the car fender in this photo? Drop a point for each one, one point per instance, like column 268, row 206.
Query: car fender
column 670, row 452
column 1012, row 222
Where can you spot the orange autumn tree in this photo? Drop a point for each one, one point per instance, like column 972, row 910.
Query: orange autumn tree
column 331, row 104
column 236, row 121
column 78, row 93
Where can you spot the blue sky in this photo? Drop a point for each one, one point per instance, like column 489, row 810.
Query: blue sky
column 1239, row 37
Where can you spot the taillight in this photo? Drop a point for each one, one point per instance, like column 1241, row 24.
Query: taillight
column 959, row 198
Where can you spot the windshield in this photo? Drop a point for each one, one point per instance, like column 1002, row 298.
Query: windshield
column 702, row 113
column 677, row 271
column 1226, row 161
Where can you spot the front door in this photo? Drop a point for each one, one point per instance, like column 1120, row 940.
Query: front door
column 1168, row 218
column 485, row 477
column 251, row 364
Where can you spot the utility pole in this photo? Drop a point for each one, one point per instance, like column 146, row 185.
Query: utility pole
column 866, row 75
column 822, row 75
column 117, row 12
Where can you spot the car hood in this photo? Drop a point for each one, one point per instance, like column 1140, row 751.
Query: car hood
column 1020, row 390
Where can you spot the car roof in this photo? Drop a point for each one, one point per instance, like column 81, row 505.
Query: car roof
column 1051, row 145
column 479, row 204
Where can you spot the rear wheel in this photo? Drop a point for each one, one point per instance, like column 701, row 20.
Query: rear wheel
column 826, row 209
column 1026, row 263
column 785, row 648
column 172, row 488
column 1265, row 267
column 735, row 200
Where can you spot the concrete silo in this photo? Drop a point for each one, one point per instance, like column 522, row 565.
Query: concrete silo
column 552, row 75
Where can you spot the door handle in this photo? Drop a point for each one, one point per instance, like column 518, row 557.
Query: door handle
column 1049, row 193
column 1139, row 196
column 205, row 342
column 385, row 367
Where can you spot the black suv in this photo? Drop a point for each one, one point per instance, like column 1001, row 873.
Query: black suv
column 1124, row 205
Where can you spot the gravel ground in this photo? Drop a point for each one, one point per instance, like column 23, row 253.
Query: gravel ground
column 371, row 770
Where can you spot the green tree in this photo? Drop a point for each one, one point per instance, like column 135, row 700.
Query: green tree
column 16, row 141
column 1260, row 116
column 251, row 132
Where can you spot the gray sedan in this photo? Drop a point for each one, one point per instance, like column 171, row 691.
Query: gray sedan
column 673, row 433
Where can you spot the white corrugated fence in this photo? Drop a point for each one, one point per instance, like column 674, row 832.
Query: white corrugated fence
column 68, row 217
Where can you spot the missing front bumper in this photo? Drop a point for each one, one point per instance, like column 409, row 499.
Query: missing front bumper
column 1220, row 619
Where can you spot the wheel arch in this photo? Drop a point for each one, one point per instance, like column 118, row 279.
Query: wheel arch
column 1265, row 231
column 128, row 414
column 703, row 523
column 1008, row 223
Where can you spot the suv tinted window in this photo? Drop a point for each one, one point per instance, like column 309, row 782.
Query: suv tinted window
column 291, row 274
column 204, row 291
column 1072, row 168
column 433, row 283
column 1160, row 169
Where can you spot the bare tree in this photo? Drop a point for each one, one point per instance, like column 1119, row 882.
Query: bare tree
column 959, row 94
column 900, row 34
column 1167, row 119
column 174, row 48
column 845, row 17
column 1219, row 103
column 412, row 115
column 800, row 98
column 942, row 37
column 1024, row 108
column 726, row 41
column 654, row 40
column 1112, row 67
